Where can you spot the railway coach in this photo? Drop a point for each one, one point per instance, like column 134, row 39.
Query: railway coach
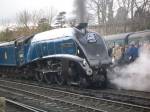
column 124, row 40
column 139, row 37
column 66, row 55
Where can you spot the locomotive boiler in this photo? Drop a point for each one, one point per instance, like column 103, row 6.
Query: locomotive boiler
column 65, row 56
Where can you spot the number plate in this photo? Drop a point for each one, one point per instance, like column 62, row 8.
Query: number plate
column 91, row 38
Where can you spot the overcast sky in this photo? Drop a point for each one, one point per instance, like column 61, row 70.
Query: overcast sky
column 9, row 8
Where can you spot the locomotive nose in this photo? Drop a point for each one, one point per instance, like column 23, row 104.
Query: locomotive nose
column 96, row 64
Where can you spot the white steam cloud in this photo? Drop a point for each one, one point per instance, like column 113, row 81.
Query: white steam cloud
column 135, row 76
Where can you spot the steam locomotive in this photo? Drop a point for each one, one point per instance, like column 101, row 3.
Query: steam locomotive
column 65, row 56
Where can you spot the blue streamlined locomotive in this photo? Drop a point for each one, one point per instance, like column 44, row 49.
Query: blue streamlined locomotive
column 66, row 55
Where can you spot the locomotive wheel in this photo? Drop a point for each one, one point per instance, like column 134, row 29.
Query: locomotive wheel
column 49, row 78
column 83, row 83
column 103, row 82
column 69, row 81
column 39, row 76
column 70, row 76
column 59, row 78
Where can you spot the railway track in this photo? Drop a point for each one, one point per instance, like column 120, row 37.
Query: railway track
column 74, row 102
column 133, row 97
column 23, row 107
column 55, row 105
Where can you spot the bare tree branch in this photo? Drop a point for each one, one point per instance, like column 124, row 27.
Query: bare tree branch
column 23, row 18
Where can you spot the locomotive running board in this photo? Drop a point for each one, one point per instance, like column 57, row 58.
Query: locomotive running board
column 84, row 64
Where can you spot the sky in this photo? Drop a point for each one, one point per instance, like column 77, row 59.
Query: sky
column 10, row 8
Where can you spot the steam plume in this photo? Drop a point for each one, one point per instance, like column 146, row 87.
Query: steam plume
column 135, row 76
column 80, row 10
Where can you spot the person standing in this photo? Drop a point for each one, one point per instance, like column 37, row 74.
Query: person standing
column 133, row 52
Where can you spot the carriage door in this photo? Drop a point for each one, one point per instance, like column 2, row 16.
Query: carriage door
column 20, row 53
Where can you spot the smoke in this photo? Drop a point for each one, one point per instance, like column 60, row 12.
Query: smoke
column 135, row 76
column 80, row 10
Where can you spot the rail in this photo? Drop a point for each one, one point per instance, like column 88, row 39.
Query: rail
column 24, row 106
column 73, row 99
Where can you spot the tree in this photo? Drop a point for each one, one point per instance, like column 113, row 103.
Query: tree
column 122, row 15
column 128, row 5
column 6, row 35
column 103, row 10
column 72, row 21
column 5, row 23
column 110, row 10
column 60, row 19
column 43, row 24
column 51, row 13
column 23, row 19
column 142, row 16
column 36, row 15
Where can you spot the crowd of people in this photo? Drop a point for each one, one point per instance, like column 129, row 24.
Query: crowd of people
column 125, row 54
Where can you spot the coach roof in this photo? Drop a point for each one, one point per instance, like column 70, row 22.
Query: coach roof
column 117, row 36
column 141, row 34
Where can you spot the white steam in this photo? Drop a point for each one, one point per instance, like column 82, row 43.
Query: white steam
column 135, row 76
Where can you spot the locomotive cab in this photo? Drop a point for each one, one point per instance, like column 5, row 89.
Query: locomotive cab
column 21, row 46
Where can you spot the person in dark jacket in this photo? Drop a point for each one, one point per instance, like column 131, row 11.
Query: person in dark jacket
column 110, row 49
column 133, row 52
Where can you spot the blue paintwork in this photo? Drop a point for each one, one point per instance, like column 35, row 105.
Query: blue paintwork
column 25, row 53
column 7, row 55
column 64, row 45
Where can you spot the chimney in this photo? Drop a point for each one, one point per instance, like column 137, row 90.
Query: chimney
column 82, row 27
